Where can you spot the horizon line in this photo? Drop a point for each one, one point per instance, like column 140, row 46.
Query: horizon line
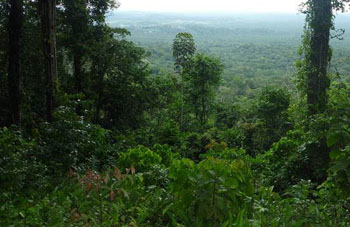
column 204, row 11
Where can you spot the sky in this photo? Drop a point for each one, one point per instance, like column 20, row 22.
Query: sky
column 277, row 6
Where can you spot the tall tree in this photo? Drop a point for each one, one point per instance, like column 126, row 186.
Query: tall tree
column 15, row 24
column 83, row 26
column 313, row 70
column 183, row 51
column 319, row 22
column 76, row 28
column 4, row 114
column 316, row 51
column 48, row 26
column 203, row 77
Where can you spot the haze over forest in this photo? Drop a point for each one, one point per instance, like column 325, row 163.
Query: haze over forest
column 249, row 44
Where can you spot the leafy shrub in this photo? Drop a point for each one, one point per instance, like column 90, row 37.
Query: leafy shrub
column 214, row 191
column 165, row 152
column 141, row 157
column 18, row 165
column 234, row 137
column 286, row 163
column 71, row 142
column 168, row 133
column 193, row 145
column 92, row 199
column 221, row 151
column 338, row 136
column 299, row 207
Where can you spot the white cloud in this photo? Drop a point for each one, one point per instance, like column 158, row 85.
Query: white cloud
column 212, row 5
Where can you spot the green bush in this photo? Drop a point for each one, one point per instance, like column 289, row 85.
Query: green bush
column 165, row 152
column 141, row 157
column 19, row 167
column 70, row 142
column 234, row 137
column 193, row 145
column 91, row 199
column 301, row 205
column 214, row 191
column 286, row 163
column 221, row 151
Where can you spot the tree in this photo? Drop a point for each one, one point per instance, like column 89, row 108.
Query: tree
column 183, row 51
column 203, row 77
column 83, row 31
column 122, row 82
column 313, row 76
column 76, row 36
column 103, row 53
column 316, row 50
column 15, row 23
column 272, row 112
column 4, row 106
column 48, row 27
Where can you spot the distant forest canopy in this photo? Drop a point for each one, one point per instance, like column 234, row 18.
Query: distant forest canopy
column 250, row 45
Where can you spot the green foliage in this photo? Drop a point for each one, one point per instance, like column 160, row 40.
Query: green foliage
column 338, row 135
column 91, row 199
column 19, row 166
column 141, row 158
column 255, row 157
column 272, row 113
column 234, row 137
column 165, row 152
column 203, row 77
column 168, row 133
column 214, row 191
column 194, row 144
column 183, row 50
column 221, row 151
column 272, row 105
column 70, row 142
column 287, row 161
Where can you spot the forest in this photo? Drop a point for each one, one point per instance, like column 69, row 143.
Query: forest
column 113, row 118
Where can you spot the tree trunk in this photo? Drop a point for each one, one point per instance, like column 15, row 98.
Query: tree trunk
column 317, row 80
column 78, row 73
column 48, row 26
column 14, row 31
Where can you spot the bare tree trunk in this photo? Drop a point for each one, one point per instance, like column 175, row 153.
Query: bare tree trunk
column 48, row 26
column 15, row 29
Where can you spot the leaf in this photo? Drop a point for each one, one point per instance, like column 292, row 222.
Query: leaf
column 117, row 173
column 21, row 214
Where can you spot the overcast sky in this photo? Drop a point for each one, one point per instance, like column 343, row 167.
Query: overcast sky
column 290, row 6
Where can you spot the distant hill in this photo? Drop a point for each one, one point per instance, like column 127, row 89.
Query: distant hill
column 250, row 45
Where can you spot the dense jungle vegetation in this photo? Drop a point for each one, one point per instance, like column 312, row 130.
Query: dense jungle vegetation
column 114, row 118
